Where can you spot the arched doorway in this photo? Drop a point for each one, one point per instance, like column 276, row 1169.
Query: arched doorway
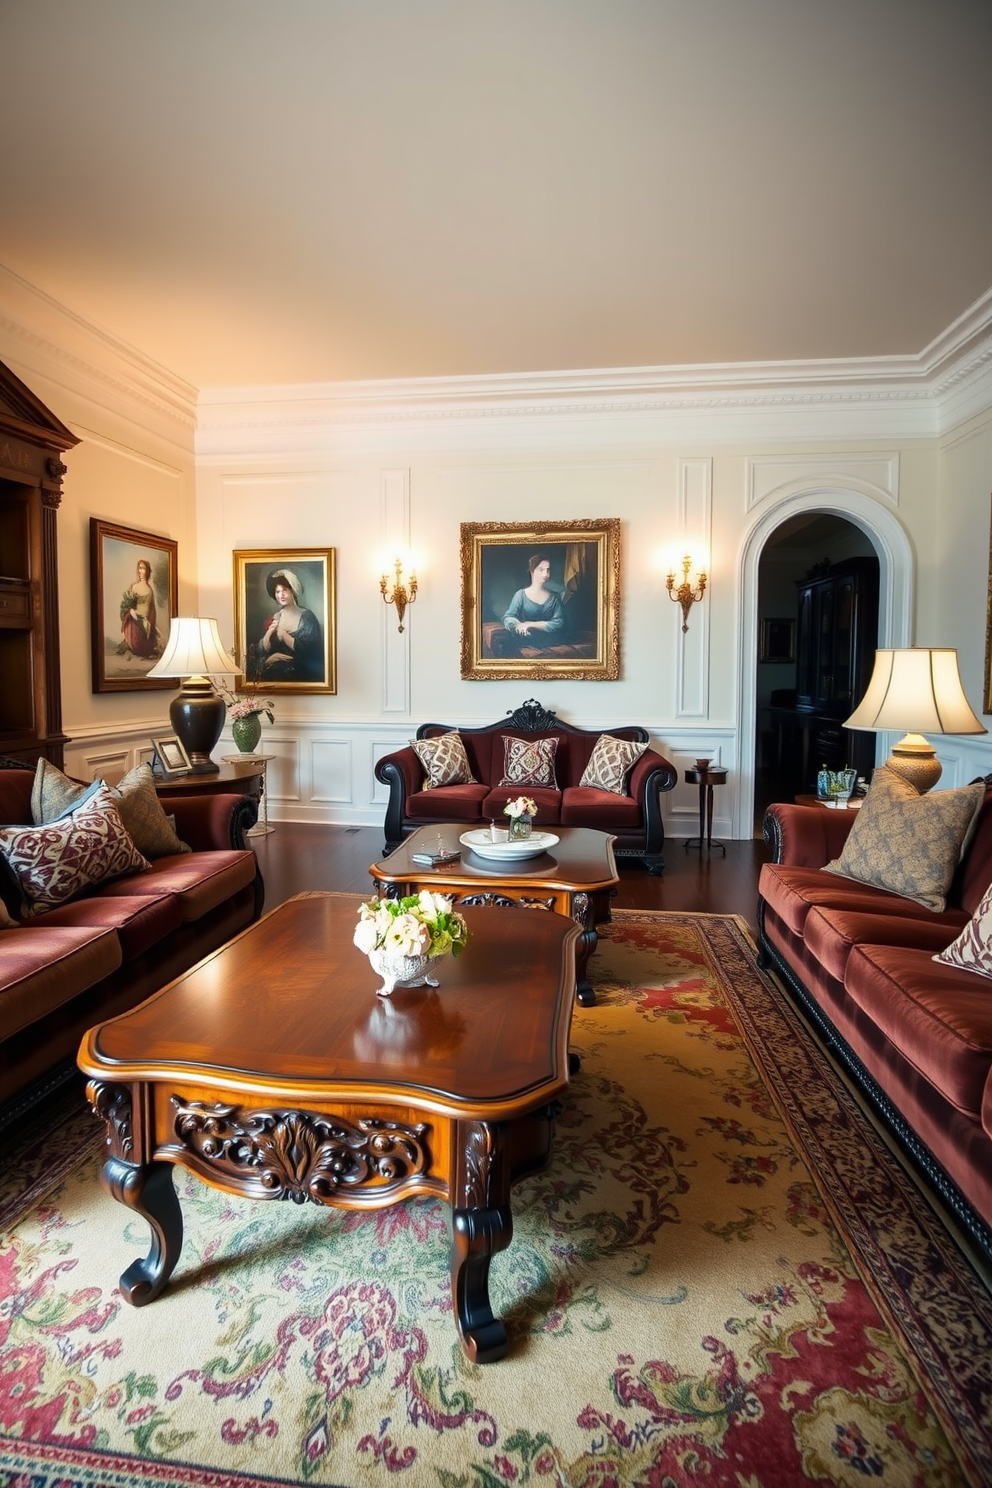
column 817, row 634
column 887, row 537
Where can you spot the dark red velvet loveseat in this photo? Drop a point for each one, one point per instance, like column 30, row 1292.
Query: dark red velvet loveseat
column 634, row 818
column 915, row 1034
column 110, row 948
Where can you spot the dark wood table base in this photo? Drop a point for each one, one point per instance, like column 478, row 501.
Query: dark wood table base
column 322, row 1158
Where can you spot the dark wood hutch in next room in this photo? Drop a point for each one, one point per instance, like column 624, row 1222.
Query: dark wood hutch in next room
column 836, row 636
column 32, row 442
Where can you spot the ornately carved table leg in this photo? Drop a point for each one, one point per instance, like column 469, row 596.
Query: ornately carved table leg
column 482, row 1225
column 149, row 1192
column 582, row 914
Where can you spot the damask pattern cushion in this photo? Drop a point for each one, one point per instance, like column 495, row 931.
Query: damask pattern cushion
column 152, row 832
column 56, row 861
column 610, row 764
column 444, row 759
column 972, row 951
column 529, row 761
column 908, row 843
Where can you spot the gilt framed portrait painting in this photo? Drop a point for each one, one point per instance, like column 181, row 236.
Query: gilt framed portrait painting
column 134, row 589
column 541, row 600
column 284, row 619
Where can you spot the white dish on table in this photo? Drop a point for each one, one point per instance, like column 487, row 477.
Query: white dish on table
column 480, row 841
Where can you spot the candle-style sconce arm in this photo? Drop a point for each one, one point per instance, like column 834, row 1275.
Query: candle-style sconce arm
column 684, row 594
column 401, row 594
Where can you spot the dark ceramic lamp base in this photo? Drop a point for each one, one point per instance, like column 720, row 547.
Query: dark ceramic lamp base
column 197, row 715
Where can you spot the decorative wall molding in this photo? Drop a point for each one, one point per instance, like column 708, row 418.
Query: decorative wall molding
column 52, row 341
column 695, row 508
column 777, row 477
column 871, row 397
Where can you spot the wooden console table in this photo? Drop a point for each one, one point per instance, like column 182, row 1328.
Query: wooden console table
column 238, row 779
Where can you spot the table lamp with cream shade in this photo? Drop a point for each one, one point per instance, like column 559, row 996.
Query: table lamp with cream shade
column 194, row 651
column 916, row 691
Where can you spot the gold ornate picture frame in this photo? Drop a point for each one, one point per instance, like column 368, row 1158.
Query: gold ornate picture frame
column 541, row 600
column 285, row 629
column 134, row 597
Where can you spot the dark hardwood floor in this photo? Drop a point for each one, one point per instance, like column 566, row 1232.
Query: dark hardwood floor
column 300, row 855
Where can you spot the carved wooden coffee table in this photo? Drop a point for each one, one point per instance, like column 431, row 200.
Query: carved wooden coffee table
column 575, row 878
column 272, row 1070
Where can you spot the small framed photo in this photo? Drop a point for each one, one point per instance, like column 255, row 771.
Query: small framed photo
column 541, row 599
column 134, row 596
column 170, row 756
column 778, row 640
column 285, row 632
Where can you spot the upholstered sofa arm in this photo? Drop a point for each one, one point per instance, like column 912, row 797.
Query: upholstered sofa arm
column 212, row 823
column 404, row 774
column 650, row 777
column 806, row 836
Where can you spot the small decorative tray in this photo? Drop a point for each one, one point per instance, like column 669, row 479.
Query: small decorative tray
column 481, row 843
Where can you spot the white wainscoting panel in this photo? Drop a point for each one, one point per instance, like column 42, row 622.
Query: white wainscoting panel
column 332, row 771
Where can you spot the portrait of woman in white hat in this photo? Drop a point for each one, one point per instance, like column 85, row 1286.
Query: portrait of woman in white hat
column 291, row 647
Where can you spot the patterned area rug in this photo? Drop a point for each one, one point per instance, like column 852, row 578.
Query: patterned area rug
column 687, row 1302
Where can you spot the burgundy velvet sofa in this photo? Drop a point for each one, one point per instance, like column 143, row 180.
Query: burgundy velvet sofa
column 634, row 819
column 110, row 948
column 915, row 1034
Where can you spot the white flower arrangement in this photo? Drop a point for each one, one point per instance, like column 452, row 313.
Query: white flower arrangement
column 522, row 806
column 421, row 924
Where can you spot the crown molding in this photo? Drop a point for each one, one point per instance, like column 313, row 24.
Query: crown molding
column 70, row 351
column 901, row 397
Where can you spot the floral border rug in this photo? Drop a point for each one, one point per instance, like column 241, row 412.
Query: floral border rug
column 687, row 1303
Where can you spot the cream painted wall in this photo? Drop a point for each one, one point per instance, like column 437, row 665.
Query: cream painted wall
column 270, row 472
column 684, row 689
column 134, row 467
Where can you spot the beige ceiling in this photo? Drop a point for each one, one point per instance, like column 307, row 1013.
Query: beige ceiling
column 258, row 191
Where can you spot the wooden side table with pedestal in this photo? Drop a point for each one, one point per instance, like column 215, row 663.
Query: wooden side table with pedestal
column 243, row 778
column 706, row 778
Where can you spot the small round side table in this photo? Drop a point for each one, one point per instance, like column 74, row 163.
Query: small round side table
column 706, row 780
column 261, row 827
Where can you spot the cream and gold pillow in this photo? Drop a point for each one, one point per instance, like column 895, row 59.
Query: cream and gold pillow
column 908, row 843
column 972, row 951
column 610, row 764
column 444, row 759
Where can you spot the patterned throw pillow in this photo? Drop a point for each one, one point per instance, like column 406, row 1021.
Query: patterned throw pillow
column 610, row 764
column 908, row 843
column 972, row 951
column 152, row 832
column 529, row 761
column 444, row 759
column 53, row 863
column 53, row 793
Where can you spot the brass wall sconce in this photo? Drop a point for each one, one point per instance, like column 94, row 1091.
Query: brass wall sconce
column 401, row 594
column 685, row 595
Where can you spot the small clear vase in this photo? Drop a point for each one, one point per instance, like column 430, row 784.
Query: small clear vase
column 520, row 828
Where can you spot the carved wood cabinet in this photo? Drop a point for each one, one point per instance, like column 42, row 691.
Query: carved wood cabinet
column 32, row 441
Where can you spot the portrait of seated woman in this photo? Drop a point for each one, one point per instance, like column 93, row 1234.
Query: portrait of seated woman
column 291, row 646
column 540, row 619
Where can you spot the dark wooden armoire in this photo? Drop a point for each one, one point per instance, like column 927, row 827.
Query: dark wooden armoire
column 32, row 441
